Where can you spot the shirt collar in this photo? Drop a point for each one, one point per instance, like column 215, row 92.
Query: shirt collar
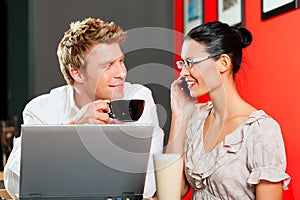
column 72, row 101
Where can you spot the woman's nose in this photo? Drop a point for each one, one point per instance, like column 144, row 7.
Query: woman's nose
column 184, row 72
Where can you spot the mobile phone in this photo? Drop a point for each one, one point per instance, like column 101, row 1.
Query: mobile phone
column 185, row 87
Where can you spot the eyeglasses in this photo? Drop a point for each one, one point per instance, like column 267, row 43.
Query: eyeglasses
column 188, row 63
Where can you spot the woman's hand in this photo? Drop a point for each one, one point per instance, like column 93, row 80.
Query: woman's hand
column 181, row 103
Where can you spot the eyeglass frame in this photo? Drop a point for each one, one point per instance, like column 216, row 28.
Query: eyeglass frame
column 188, row 63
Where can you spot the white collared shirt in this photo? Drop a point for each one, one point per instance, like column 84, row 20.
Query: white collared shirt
column 58, row 107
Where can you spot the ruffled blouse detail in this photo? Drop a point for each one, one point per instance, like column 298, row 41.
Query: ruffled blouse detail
column 265, row 173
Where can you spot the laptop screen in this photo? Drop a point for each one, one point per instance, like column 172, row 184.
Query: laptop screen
column 84, row 161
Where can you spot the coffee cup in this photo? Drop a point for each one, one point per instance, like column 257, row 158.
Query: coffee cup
column 126, row 110
column 168, row 175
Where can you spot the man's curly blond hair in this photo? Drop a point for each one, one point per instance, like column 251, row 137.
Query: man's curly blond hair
column 79, row 40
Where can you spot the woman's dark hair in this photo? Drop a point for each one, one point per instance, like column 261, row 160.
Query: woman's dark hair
column 221, row 38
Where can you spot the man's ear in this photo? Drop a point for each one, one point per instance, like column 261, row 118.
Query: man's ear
column 76, row 74
column 224, row 63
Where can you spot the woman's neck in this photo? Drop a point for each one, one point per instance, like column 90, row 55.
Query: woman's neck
column 226, row 101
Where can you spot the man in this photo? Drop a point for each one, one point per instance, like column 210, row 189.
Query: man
column 93, row 66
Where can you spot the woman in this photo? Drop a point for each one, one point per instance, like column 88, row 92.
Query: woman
column 231, row 149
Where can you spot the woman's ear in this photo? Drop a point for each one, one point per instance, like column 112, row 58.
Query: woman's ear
column 224, row 63
column 76, row 74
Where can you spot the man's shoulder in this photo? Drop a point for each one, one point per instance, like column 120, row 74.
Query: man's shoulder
column 135, row 89
column 54, row 97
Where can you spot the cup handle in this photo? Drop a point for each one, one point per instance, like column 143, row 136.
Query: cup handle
column 110, row 113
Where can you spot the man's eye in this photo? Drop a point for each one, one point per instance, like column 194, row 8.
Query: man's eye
column 109, row 65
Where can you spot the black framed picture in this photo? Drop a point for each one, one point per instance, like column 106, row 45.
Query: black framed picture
column 193, row 14
column 231, row 12
column 272, row 8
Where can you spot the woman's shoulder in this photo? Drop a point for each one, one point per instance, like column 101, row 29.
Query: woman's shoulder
column 201, row 111
column 199, row 115
column 261, row 118
column 261, row 125
column 204, row 107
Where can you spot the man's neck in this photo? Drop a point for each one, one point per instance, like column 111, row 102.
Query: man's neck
column 81, row 98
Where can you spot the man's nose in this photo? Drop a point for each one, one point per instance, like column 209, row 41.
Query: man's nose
column 121, row 70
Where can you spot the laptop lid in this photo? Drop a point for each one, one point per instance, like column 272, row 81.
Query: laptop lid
column 84, row 161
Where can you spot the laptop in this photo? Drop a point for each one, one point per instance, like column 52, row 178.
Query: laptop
column 102, row 162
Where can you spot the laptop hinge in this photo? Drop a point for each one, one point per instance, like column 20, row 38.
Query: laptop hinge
column 35, row 196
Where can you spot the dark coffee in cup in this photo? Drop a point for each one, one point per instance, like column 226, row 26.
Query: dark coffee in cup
column 126, row 110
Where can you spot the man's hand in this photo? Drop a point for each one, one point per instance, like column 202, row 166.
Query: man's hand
column 93, row 113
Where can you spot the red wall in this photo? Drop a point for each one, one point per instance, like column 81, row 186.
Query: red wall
column 273, row 81
column 270, row 74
